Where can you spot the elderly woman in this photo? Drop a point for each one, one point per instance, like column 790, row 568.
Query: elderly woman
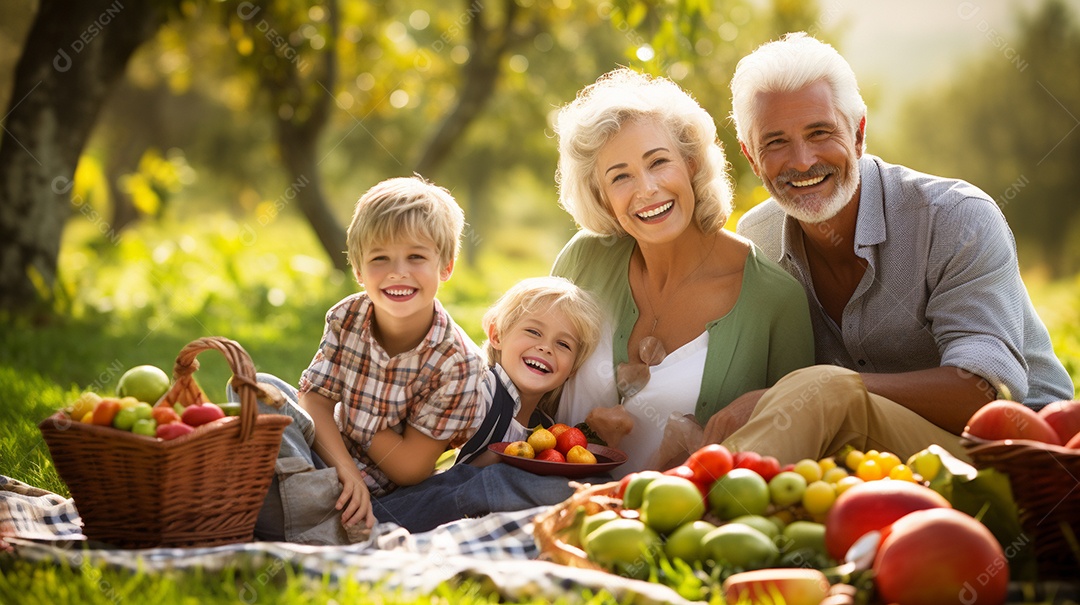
column 698, row 315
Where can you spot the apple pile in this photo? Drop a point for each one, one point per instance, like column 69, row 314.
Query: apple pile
column 731, row 522
column 131, row 409
column 706, row 513
column 559, row 443
column 1056, row 424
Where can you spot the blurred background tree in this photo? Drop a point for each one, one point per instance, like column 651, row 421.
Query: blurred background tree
column 283, row 111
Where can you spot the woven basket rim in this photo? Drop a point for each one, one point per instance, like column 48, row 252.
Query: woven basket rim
column 976, row 444
column 59, row 421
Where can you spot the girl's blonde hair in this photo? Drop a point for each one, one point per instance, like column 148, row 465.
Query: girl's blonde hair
column 598, row 113
column 539, row 295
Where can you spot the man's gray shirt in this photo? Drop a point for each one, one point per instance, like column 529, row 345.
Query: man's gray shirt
column 942, row 285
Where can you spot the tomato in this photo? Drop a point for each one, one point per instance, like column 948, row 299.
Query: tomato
column 710, row 463
column 688, row 473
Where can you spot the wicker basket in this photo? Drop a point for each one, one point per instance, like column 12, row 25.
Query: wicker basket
column 202, row 489
column 1045, row 482
column 551, row 529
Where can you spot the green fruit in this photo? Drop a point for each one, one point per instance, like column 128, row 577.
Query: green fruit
column 740, row 492
column 635, row 489
column 125, row 419
column 686, row 542
column 143, row 410
column 145, row 426
column 145, row 383
column 231, row 408
column 669, row 502
column 804, row 535
column 625, row 546
column 741, row 546
column 762, row 524
column 592, row 522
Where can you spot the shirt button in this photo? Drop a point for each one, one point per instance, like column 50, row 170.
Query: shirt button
column 862, row 362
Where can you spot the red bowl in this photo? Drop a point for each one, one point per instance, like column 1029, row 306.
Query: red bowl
column 607, row 458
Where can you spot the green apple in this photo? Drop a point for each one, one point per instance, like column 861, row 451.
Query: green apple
column 145, row 426
column 145, row 383
column 669, row 502
column 231, row 408
column 804, row 535
column 625, row 546
column 635, row 489
column 740, row 492
column 687, row 542
column 594, row 521
column 738, row 545
column 760, row 523
column 787, row 488
column 125, row 419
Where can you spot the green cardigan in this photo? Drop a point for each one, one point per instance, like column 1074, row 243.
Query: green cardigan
column 766, row 335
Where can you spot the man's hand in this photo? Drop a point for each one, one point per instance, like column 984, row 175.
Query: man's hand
column 355, row 500
column 731, row 418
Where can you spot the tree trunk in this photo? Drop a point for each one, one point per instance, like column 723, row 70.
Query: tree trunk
column 74, row 55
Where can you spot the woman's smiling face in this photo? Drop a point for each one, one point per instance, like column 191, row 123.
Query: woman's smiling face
column 646, row 182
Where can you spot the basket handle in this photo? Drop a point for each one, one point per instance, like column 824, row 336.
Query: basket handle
column 185, row 390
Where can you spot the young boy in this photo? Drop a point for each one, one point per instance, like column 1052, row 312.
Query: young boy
column 539, row 333
column 394, row 381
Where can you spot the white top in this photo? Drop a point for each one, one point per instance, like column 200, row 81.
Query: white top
column 673, row 387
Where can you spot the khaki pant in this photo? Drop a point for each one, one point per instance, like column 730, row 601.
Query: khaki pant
column 815, row 411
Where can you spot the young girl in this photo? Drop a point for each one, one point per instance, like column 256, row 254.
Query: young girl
column 539, row 333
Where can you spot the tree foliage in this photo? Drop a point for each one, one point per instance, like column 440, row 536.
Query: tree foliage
column 1010, row 124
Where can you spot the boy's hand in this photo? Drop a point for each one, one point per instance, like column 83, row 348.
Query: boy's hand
column 355, row 500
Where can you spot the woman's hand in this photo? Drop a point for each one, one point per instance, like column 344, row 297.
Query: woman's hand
column 611, row 424
column 731, row 418
column 355, row 500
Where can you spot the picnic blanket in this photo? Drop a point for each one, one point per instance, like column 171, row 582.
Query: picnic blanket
column 497, row 550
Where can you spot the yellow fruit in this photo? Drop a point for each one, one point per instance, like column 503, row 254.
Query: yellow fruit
column 809, row 469
column 541, row 439
column 834, row 475
column 827, row 464
column 845, row 483
column 869, row 470
column 580, row 455
column 901, row 472
column 128, row 402
column 887, row 461
column 85, row 403
column 88, row 417
column 818, row 497
column 853, row 460
column 521, row 449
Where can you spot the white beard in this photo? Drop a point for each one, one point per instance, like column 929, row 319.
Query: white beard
column 821, row 209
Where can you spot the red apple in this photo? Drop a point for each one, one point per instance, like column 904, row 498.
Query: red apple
column 569, row 438
column 200, row 414
column 794, row 586
column 873, row 506
column 1002, row 419
column 940, row 556
column 768, row 468
column 173, row 430
column 551, row 455
column 1063, row 417
column 745, row 460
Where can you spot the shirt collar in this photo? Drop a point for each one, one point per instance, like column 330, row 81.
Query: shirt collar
column 870, row 225
column 440, row 327
column 508, row 384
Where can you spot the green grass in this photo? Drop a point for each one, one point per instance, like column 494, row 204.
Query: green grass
column 160, row 287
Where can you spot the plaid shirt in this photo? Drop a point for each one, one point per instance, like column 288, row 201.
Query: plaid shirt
column 433, row 387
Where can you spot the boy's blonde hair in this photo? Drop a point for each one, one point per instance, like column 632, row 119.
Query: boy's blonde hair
column 405, row 208
column 538, row 295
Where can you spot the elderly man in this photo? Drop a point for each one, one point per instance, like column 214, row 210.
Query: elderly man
column 916, row 299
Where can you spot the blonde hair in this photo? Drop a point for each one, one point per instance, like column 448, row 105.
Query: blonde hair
column 408, row 208
column 598, row 113
column 792, row 63
column 538, row 295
